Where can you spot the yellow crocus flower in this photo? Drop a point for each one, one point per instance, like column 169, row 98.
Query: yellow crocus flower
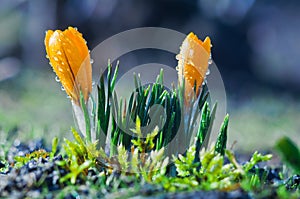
column 193, row 63
column 70, row 59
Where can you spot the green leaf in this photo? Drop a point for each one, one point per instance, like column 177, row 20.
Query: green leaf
column 138, row 126
column 202, row 130
column 114, row 78
column 209, row 131
column 289, row 153
column 222, row 137
column 256, row 158
column 86, row 118
column 54, row 146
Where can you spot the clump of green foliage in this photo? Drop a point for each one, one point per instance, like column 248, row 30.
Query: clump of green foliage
column 35, row 155
column 143, row 152
column 210, row 173
column 117, row 118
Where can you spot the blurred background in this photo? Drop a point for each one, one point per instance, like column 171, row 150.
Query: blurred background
column 256, row 46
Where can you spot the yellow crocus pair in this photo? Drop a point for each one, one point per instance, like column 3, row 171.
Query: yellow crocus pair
column 70, row 59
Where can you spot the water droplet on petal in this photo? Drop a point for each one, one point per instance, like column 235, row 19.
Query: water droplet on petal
column 91, row 61
column 178, row 57
column 57, row 79
column 59, row 52
column 208, row 72
column 210, row 61
column 55, row 58
column 60, row 69
column 47, row 56
column 75, row 28
column 62, row 88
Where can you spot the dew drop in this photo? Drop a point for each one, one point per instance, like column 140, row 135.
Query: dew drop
column 62, row 88
column 59, row 52
column 60, row 69
column 93, row 83
column 91, row 61
column 55, row 58
column 57, row 79
column 208, row 72
column 75, row 28
column 210, row 61
column 178, row 57
column 47, row 56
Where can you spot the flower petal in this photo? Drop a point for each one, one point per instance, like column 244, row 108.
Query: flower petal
column 193, row 62
column 78, row 56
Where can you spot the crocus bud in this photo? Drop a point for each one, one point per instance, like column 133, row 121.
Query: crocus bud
column 193, row 63
column 70, row 59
